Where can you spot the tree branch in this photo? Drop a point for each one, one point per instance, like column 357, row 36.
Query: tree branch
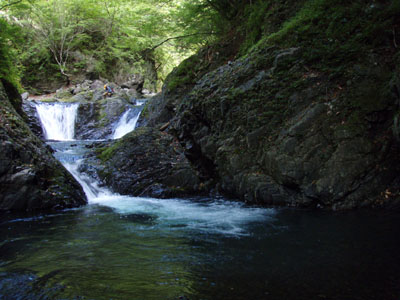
column 9, row 4
column 177, row 38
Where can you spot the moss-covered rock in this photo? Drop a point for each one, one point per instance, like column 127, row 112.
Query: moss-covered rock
column 308, row 117
column 146, row 162
column 30, row 177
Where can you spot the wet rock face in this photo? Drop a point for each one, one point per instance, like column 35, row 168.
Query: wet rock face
column 146, row 162
column 270, row 130
column 95, row 119
column 32, row 118
column 30, row 177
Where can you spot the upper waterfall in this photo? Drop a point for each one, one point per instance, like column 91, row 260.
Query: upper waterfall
column 127, row 123
column 58, row 120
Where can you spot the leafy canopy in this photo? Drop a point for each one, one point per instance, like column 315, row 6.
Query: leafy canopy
column 104, row 38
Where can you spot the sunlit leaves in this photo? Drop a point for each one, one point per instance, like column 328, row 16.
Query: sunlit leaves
column 108, row 35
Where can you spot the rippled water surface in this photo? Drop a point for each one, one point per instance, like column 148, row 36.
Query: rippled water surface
column 198, row 249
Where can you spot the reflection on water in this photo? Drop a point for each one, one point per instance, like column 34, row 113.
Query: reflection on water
column 105, row 252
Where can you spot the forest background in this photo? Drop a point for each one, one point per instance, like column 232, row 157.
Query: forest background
column 56, row 41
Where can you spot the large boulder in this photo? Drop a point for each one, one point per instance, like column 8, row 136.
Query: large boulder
column 30, row 177
column 134, row 83
column 146, row 162
column 95, row 119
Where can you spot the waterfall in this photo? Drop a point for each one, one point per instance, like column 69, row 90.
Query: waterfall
column 218, row 216
column 58, row 120
column 89, row 185
column 127, row 123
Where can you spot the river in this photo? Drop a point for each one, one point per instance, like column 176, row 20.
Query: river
column 120, row 247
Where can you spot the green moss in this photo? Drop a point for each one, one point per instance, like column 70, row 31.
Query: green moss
column 101, row 118
column 105, row 153
column 264, row 17
column 183, row 74
column 67, row 100
column 335, row 34
column 145, row 110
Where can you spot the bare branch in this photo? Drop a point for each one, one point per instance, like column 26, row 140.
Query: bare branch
column 10, row 4
column 177, row 38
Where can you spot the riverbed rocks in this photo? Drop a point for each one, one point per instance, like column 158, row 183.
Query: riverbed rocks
column 33, row 121
column 31, row 179
column 146, row 162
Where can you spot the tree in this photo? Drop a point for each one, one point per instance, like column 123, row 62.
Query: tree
column 110, row 38
column 58, row 29
column 8, row 37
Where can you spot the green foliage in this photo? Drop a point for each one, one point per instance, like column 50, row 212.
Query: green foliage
column 114, row 39
column 8, row 37
column 102, row 38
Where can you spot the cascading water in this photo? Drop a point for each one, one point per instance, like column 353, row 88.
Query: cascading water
column 216, row 216
column 229, row 218
column 58, row 120
column 127, row 123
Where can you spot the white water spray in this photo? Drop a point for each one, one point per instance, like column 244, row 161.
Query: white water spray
column 217, row 216
column 90, row 186
column 58, row 120
column 127, row 123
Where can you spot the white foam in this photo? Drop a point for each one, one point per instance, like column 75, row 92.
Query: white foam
column 224, row 217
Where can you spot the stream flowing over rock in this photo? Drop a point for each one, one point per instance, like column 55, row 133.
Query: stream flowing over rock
column 30, row 177
column 145, row 162
column 97, row 115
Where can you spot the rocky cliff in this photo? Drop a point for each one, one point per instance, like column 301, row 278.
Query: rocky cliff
column 308, row 117
column 30, row 177
column 304, row 113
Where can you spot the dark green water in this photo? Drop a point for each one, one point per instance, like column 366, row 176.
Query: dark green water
column 147, row 252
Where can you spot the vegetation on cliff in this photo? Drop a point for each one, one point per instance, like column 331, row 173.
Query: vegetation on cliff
column 297, row 104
